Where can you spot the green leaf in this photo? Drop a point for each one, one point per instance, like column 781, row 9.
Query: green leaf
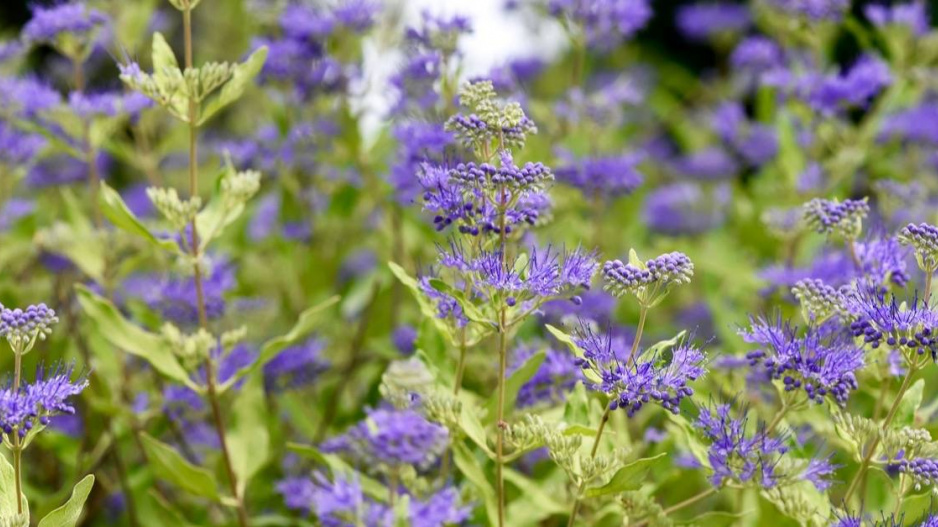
column 131, row 338
column 658, row 347
column 249, row 439
column 911, row 401
column 577, row 408
column 68, row 514
column 169, row 465
column 469, row 466
column 163, row 56
column 535, row 504
column 513, row 384
column 7, row 489
column 243, row 74
column 571, row 344
column 306, row 323
column 686, row 434
column 635, row 260
column 629, row 477
column 471, row 425
column 114, row 208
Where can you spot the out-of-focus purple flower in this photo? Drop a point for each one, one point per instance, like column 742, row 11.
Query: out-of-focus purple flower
column 685, row 208
column 604, row 22
column 392, row 437
column 709, row 164
column 756, row 55
column 554, row 378
column 918, row 124
column 419, row 144
column 704, row 21
column 404, row 338
column 17, row 148
column 26, row 96
column 64, row 170
column 298, row 365
column 14, row 210
column 912, row 15
column 865, row 79
column 755, row 143
column 136, row 199
column 605, row 177
column 177, row 299
column 816, row 10
column 69, row 20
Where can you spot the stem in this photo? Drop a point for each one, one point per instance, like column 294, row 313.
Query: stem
column 638, row 333
column 78, row 75
column 199, row 289
column 500, row 419
column 852, row 249
column 889, row 417
column 17, row 449
column 392, row 489
column 928, row 275
column 598, row 212
column 461, row 367
column 778, row 418
column 599, row 434
column 686, row 503
column 502, row 369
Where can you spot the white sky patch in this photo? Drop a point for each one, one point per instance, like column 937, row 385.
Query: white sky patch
column 497, row 37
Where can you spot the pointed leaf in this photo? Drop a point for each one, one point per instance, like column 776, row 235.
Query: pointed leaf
column 249, row 439
column 629, row 477
column 114, row 208
column 243, row 74
column 68, row 514
column 472, row 470
column 130, row 337
column 172, row 467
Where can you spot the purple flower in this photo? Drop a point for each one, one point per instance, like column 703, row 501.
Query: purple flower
column 704, row 21
column 756, row 55
column 816, row 10
column 909, row 326
column 14, row 210
column 822, row 364
column 177, row 300
column 912, row 15
column 831, row 216
column 392, row 437
column 556, row 376
column 864, row 80
column 918, row 125
column 22, row 327
column 631, row 382
column 685, row 208
column 710, row 164
column 38, row 401
column 404, row 338
column 607, row 177
column 298, row 365
column 18, row 148
column 736, row 454
column 605, row 22
column 654, row 277
column 75, row 20
column 26, row 96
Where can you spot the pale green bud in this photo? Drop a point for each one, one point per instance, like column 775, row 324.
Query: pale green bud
column 178, row 212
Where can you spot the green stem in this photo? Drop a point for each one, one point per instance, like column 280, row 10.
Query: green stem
column 502, row 374
column 212, row 390
column 686, row 503
column 778, row 417
column 461, row 366
column 638, row 333
column 17, row 449
column 872, row 449
column 599, row 434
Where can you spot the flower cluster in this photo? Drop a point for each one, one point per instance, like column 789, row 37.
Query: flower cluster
column 835, row 217
column 21, row 328
column 394, row 438
column 924, row 239
column 821, row 364
column 650, row 280
column 35, row 403
column 604, row 23
column 879, row 316
column 819, row 301
column 489, row 124
column 633, row 381
column 70, row 27
column 553, row 380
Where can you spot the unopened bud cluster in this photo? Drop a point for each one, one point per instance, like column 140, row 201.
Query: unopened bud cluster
column 178, row 212
column 819, row 301
column 924, row 239
column 191, row 349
